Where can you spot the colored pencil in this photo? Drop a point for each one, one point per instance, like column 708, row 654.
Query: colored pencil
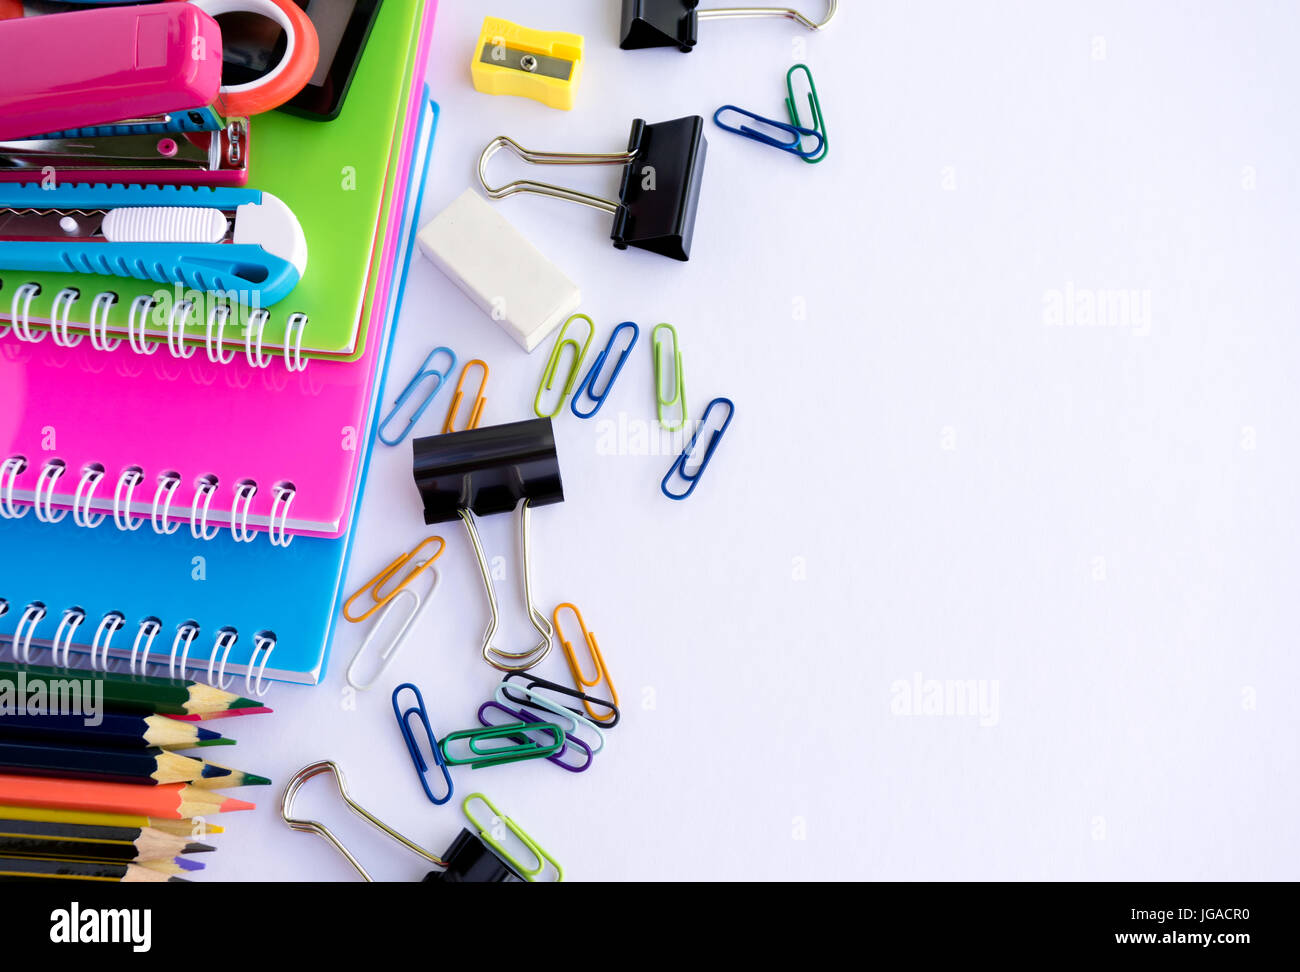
column 88, row 818
column 73, row 842
column 122, row 693
column 27, row 869
column 173, row 800
column 113, row 731
column 148, row 766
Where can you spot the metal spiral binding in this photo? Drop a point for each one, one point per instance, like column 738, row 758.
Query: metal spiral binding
column 277, row 531
column 68, row 625
column 9, row 472
column 110, row 623
column 263, row 640
column 294, row 327
column 31, row 617
column 51, row 473
column 244, row 491
column 253, row 332
column 22, row 330
column 199, row 529
column 168, row 481
column 85, row 494
column 181, row 309
column 188, row 631
column 131, row 477
column 140, row 309
column 99, row 308
column 228, row 636
column 216, row 353
column 152, row 626
column 59, row 312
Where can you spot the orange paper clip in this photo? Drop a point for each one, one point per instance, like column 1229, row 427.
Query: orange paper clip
column 602, row 673
column 476, row 412
column 376, row 583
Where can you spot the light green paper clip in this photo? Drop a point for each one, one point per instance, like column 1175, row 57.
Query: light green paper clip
column 548, row 377
column 679, row 377
column 485, row 833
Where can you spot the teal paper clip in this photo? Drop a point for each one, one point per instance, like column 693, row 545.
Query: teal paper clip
column 481, row 754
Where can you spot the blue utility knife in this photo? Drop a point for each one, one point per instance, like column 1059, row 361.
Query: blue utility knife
column 243, row 243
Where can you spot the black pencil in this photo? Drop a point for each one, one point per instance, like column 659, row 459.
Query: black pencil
column 147, row 766
column 79, row 842
column 31, row 869
column 111, row 730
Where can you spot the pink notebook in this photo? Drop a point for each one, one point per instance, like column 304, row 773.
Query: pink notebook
column 118, row 439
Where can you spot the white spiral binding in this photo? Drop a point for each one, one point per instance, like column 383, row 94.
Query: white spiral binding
column 22, row 329
column 59, row 312
column 63, row 635
column 153, row 626
column 189, row 631
column 81, row 515
column 181, row 309
column 253, row 332
column 166, row 482
column 277, row 532
column 199, row 528
column 51, row 473
column 140, row 308
column 9, row 471
column 99, row 308
column 131, row 477
column 31, row 617
column 264, row 639
column 229, row 636
column 245, row 492
column 215, row 352
column 110, row 623
column 294, row 327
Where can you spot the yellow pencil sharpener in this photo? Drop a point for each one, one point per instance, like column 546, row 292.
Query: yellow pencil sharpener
column 544, row 65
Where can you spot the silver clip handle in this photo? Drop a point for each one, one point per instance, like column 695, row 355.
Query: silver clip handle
column 548, row 158
column 785, row 13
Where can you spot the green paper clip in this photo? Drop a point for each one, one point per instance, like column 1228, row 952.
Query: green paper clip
column 523, row 748
column 548, row 377
column 679, row 378
column 485, row 834
column 818, row 124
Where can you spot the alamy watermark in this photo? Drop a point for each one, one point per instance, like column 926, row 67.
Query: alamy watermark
column 39, row 695
column 1073, row 306
column 954, row 697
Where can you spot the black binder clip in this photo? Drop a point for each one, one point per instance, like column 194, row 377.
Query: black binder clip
column 673, row 23
column 663, row 168
column 494, row 469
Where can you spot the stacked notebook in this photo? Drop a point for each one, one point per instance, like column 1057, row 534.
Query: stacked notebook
column 153, row 493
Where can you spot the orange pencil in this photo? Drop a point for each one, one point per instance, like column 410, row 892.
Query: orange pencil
column 170, row 800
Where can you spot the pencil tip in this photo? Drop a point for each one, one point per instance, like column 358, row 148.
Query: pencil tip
column 213, row 771
column 194, row 847
column 190, row 865
column 220, row 741
column 230, row 803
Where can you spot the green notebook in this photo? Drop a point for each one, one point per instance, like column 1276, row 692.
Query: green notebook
column 333, row 175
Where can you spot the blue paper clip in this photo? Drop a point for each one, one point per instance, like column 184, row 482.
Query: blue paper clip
column 794, row 146
column 421, row 765
column 424, row 373
column 679, row 467
column 588, row 386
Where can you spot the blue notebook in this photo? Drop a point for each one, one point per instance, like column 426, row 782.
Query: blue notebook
column 243, row 598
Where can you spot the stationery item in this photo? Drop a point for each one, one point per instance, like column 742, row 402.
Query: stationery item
column 580, row 680
column 817, row 121
column 174, row 800
column 417, row 604
column 343, row 200
column 671, row 396
column 569, row 720
column 204, row 158
column 408, row 736
column 588, row 386
column 531, row 681
column 38, row 838
column 280, row 604
column 110, row 730
column 487, row 833
column 376, row 583
column 493, row 265
column 545, row 65
column 87, row 818
column 424, row 374
column 35, row 870
column 121, row 693
column 469, row 858
column 548, row 376
column 491, row 470
column 119, row 766
column 518, row 716
column 794, row 135
column 663, row 169
column 677, row 472
column 675, row 23
column 245, row 244
column 343, row 27
column 520, row 746
column 476, row 409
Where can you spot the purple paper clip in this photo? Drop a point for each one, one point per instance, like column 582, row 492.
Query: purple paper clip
column 523, row 715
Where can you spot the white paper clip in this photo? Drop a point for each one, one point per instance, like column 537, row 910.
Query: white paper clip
column 387, row 655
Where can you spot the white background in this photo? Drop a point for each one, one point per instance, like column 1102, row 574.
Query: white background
column 924, row 474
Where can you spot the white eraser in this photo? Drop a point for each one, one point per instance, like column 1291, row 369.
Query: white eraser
column 499, row 270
